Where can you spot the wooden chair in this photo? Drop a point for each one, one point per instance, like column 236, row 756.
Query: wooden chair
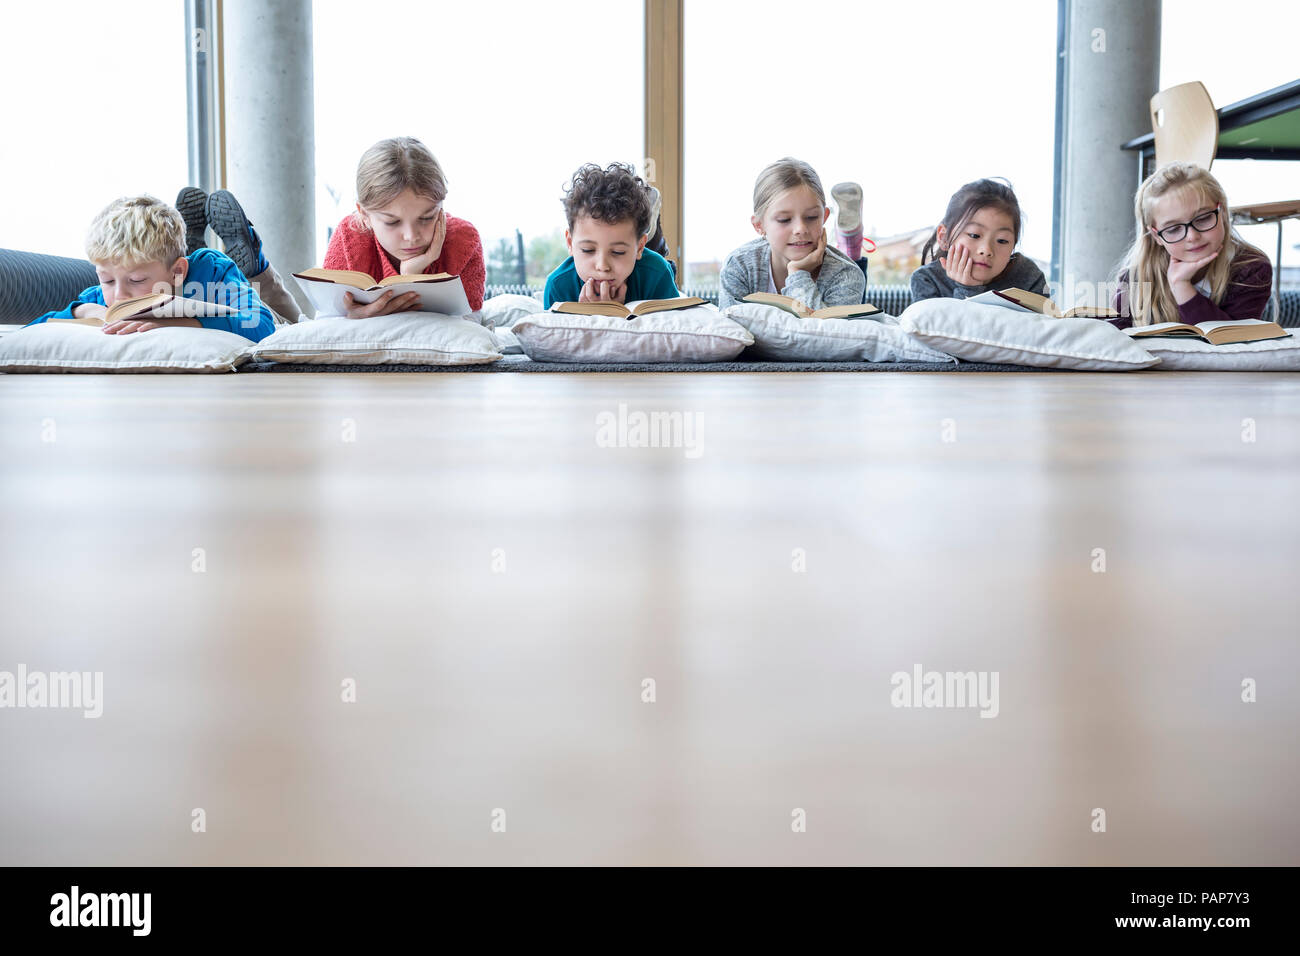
column 1186, row 128
column 1185, row 124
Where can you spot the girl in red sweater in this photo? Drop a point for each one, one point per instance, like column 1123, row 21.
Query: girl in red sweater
column 401, row 228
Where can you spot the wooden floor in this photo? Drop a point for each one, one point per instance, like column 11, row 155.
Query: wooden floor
column 499, row 583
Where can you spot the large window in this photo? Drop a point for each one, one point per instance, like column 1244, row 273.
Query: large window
column 94, row 108
column 511, row 95
column 1238, row 50
column 910, row 100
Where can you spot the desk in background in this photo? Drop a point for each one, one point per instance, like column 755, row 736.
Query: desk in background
column 1263, row 126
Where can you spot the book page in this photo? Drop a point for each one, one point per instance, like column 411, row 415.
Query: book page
column 96, row 323
column 398, row 280
column 360, row 280
column 1031, row 301
column 613, row 309
column 1090, row 312
column 1163, row 329
column 650, row 306
column 793, row 306
column 1246, row 330
column 847, row 311
column 175, row 307
column 1001, row 301
column 445, row 297
column 137, row 305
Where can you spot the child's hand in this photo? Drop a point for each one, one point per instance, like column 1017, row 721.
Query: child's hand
column 386, row 304
column 960, row 266
column 416, row 266
column 1183, row 271
column 810, row 262
column 603, row 290
column 126, row 327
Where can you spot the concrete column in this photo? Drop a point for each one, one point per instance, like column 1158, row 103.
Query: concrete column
column 270, row 127
column 202, row 112
column 1112, row 69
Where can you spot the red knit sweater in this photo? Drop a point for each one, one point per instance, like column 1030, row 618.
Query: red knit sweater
column 462, row 255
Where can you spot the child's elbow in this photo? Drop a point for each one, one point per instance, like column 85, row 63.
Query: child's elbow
column 254, row 327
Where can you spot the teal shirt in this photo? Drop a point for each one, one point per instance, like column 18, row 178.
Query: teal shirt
column 651, row 278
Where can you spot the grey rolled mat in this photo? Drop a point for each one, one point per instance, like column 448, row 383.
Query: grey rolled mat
column 527, row 366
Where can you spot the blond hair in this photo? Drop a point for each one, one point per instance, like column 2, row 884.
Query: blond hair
column 1151, row 300
column 784, row 174
column 134, row 230
column 391, row 167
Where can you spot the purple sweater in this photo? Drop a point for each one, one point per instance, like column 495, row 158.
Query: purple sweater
column 1250, row 283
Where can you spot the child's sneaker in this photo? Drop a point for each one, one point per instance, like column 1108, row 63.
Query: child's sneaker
column 243, row 245
column 192, row 204
column 848, row 224
column 655, row 241
column 656, row 203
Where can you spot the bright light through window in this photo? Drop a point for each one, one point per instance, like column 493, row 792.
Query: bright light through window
column 94, row 109
column 1238, row 50
column 910, row 100
column 512, row 97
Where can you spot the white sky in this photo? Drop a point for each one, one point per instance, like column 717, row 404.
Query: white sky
column 911, row 100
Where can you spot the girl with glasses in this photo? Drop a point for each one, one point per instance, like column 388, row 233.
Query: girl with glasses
column 1188, row 264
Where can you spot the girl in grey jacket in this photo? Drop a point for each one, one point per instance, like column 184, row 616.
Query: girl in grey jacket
column 791, row 256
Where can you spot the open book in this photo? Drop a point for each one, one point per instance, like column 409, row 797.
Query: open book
column 1021, row 301
column 618, row 310
column 1216, row 333
column 795, row 307
column 326, row 287
column 156, row 305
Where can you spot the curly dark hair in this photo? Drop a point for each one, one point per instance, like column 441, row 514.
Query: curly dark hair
column 611, row 195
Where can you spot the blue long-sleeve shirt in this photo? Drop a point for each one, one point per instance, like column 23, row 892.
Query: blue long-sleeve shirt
column 213, row 277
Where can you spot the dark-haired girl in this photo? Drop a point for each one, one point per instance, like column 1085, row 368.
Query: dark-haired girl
column 973, row 249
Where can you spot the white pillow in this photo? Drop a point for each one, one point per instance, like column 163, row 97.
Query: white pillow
column 502, row 311
column 507, row 342
column 1269, row 355
column 990, row 333
column 407, row 338
column 67, row 347
column 697, row 334
column 789, row 338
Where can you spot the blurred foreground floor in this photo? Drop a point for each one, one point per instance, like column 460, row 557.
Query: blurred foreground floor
column 500, row 584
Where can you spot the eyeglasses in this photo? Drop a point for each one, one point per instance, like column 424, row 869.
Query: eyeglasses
column 1202, row 223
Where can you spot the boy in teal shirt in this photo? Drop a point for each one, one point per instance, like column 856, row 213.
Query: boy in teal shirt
column 609, row 212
